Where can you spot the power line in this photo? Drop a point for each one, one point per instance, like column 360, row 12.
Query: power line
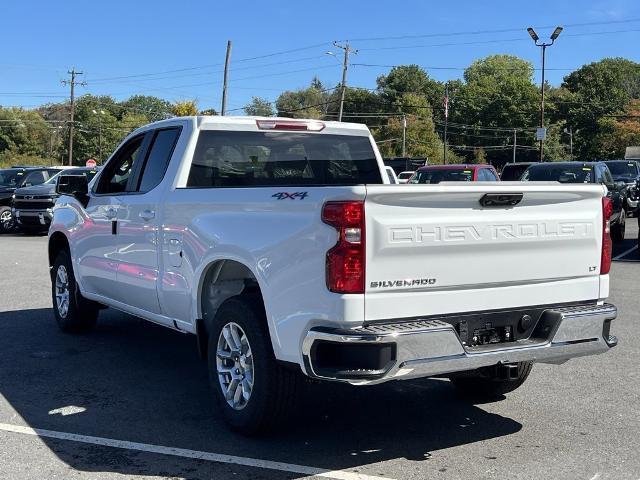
column 483, row 32
column 484, row 42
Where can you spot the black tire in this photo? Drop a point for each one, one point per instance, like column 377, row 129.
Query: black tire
column 486, row 384
column 275, row 389
column 81, row 314
column 7, row 222
column 618, row 230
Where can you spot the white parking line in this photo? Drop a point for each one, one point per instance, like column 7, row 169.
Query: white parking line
column 624, row 254
column 200, row 455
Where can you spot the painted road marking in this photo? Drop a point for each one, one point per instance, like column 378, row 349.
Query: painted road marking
column 196, row 454
column 624, row 254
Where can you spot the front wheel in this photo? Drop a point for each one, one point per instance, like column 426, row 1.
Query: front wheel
column 73, row 312
column 7, row 222
column 492, row 382
column 254, row 392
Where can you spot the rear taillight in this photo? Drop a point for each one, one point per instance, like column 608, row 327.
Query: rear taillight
column 345, row 267
column 605, row 259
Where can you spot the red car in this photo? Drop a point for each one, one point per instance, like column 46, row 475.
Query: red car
column 455, row 173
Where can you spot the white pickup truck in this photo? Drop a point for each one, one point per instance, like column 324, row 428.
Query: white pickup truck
column 282, row 246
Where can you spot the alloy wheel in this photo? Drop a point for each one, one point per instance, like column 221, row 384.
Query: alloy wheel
column 62, row 291
column 234, row 366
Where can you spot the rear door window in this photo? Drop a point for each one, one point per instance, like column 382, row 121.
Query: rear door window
column 162, row 145
column 250, row 159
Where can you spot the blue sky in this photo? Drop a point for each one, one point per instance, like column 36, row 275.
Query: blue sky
column 142, row 39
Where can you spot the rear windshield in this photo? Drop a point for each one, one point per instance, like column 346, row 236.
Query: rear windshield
column 438, row 175
column 622, row 169
column 250, row 159
column 512, row 172
column 559, row 173
column 11, row 177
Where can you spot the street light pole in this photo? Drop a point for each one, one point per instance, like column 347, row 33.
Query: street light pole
column 99, row 113
column 569, row 131
column 544, row 46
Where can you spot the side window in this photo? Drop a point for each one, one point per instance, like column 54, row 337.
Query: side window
column 117, row 172
column 491, row 175
column 608, row 178
column 162, row 145
column 482, row 176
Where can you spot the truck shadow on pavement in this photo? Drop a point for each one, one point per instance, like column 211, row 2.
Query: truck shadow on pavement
column 135, row 381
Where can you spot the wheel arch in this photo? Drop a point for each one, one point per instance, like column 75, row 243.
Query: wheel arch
column 57, row 242
column 220, row 280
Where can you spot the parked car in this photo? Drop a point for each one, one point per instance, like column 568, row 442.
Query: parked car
column 455, row 173
column 391, row 175
column 585, row 172
column 403, row 177
column 275, row 242
column 32, row 207
column 512, row 172
column 13, row 178
column 627, row 171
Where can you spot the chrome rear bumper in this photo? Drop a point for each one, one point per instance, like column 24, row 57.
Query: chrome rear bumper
column 426, row 348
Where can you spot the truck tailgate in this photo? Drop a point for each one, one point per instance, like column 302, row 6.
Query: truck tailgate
column 434, row 249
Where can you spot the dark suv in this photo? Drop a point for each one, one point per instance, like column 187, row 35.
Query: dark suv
column 627, row 171
column 585, row 172
column 17, row 177
column 512, row 172
column 32, row 207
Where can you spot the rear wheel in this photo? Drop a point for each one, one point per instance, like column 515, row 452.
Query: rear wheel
column 254, row 392
column 73, row 312
column 492, row 382
column 6, row 220
column 617, row 230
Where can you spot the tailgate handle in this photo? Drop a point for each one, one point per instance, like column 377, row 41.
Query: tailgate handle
column 500, row 199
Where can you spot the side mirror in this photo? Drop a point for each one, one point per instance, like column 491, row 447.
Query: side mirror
column 620, row 185
column 74, row 185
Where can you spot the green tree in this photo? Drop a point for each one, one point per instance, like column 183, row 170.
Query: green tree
column 186, row 108
column 153, row 108
column 24, row 137
column 498, row 94
column 311, row 102
column 409, row 79
column 259, row 107
column 599, row 89
column 98, row 128
column 617, row 132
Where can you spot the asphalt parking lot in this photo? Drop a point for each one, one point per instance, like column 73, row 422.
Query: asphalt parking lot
column 131, row 401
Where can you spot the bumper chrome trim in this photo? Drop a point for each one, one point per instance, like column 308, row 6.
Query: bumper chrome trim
column 428, row 348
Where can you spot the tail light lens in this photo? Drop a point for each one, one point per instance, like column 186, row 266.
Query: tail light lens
column 345, row 268
column 605, row 259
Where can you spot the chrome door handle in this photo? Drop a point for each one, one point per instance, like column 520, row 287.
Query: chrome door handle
column 147, row 215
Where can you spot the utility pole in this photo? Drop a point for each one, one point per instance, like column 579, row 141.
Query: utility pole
column 224, row 83
column 515, row 138
column 345, row 65
column 404, row 136
column 72, row 83
column 446, row 120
